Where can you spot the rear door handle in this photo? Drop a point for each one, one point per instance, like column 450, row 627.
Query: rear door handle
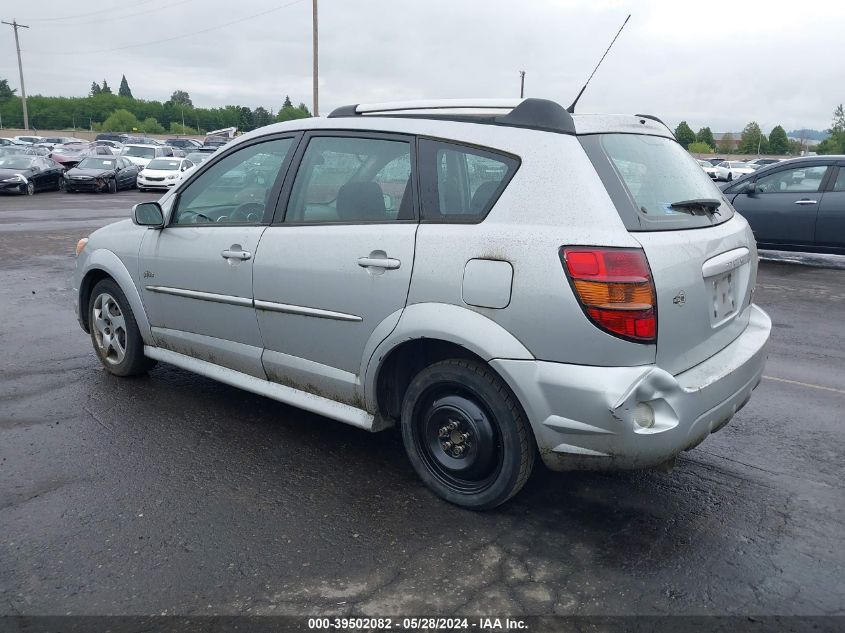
column 379, row 262
column 233, row 254
column 806, row 202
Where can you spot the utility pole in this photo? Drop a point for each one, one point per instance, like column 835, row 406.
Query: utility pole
column 521, row 84
column 316, row 65
column 14, row 24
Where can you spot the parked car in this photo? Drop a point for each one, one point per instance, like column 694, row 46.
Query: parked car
column 27, row 174
column 114, row 146
column 187, row 144
column 795, row 205
column 143, row 154
column 70, row 154
column 31, row 140
column 197, row 158
column 111, row 136
column 385, row 269
column 5, row 142
column 162, row 173
column 715, row 161
column 100, row 173
column 762, row 162
column 215, row 141
column 52, row 141
column 732, row 169
column 708, row 168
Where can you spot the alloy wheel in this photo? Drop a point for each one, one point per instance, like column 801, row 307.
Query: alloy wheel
column 109, row 328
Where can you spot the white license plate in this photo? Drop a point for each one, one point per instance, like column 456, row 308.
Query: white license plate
column 724, row 304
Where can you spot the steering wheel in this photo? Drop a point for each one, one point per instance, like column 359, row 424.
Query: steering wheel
column 247, row 212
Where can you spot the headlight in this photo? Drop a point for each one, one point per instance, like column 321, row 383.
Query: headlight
column 80, row 245
column 15, row 178
column 173, row 177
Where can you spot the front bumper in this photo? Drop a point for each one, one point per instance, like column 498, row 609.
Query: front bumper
column 583, row 417
column 156, row 184
column 85, row 185
column 13, row 187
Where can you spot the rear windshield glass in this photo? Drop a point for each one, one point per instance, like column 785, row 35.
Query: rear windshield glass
column 164, row 164
column 648, row 177
column 142, row 152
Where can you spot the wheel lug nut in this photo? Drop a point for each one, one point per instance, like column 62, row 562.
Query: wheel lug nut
column 465, row 436
column 443, row 432
column 447, row 446
column 452, row 425
column 458, row 451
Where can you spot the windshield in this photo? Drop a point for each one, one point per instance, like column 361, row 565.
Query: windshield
column 141, row 152
column 164, row 164
column 15, row 162
column 647, row 176
column 197, row 157
column 738, row 165
column 96, row 163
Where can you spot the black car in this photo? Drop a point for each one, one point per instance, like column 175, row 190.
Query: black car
column 27, row 174
column 108, row 136
column 187, row 144
column 100, row 173
column 795, row 205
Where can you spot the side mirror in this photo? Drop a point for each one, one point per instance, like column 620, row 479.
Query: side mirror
column 148, row 214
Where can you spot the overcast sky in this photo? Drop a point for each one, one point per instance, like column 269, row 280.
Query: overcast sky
column 717, row 63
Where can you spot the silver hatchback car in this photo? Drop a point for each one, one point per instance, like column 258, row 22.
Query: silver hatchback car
column 502, row 279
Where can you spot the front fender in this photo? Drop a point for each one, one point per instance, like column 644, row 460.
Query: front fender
column 461, row 326
column 106, row 261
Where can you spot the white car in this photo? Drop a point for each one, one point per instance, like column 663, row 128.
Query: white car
column 143, row 154
column 732, row 169
column 162, row 173
column 29, row 140
column 708, row 168
column 9, row 142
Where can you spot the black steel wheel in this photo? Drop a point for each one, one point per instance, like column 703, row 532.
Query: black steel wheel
column 466, row 435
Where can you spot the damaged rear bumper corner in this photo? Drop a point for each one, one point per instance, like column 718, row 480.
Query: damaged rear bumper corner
column 583, row 417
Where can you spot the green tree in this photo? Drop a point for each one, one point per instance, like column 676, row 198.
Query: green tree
column 705, row 136
column 778, row 142
column 700, row 148
column 182, row 130
column 684, row 134
column 120, row 121
column 180, row 97
column 124, row 90
column 95, row 89
column 287, row 103
column 753, row 141
column 260, row 117
column 105, row 89
column 289, row 113
column 5, row 91
column 835, row 143
column 726, row 146
column 152, row 126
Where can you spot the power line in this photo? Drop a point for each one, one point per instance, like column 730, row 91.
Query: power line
column 77, row 15
column 181, row 36
column 123, row 17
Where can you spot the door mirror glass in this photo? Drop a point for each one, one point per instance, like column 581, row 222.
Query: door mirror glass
column 148, row 214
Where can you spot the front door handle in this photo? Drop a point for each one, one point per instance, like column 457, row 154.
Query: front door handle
column 379, row 262
column 806, row 202
column 232, row 253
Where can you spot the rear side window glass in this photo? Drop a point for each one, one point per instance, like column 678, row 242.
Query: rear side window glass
column 355, row 180
column 459, row 183
column 653, row 182
column 839, row 185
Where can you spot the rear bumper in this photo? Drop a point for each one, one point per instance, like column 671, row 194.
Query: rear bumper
column 583, row 416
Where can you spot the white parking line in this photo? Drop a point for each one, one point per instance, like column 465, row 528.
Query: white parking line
column 805, row 384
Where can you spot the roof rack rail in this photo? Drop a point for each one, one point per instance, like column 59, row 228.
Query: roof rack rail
column 653, row 118
column 535, row 114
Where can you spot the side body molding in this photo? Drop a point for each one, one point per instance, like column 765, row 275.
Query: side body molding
column 108, row 262
column 452, row 323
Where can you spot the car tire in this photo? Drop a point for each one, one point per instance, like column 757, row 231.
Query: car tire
column 730, row 177
column 462, row 405
column 112, row 186
column 60, row 184
column 30, row 188
column 141, row 189
column 114, row 331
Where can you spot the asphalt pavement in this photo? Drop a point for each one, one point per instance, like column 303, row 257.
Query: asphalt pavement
column 173, row 494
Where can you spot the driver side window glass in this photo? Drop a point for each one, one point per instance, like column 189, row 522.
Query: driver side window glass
column 235, row 190
column 798, row 180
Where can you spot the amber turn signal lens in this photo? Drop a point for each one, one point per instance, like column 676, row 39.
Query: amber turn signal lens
column 80, row 245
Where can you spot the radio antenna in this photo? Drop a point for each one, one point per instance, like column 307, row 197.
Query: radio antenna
column 571, row 108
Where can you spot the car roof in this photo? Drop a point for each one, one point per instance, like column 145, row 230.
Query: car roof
column 141, row 145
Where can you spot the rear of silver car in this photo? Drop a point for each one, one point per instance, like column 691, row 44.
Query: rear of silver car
column 690, row 306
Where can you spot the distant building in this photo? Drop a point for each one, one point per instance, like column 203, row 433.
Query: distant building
column 737, row 137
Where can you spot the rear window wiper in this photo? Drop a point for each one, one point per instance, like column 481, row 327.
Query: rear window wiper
column 709, row 205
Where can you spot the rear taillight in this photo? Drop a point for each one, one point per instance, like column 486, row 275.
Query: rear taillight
column 615, row 288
